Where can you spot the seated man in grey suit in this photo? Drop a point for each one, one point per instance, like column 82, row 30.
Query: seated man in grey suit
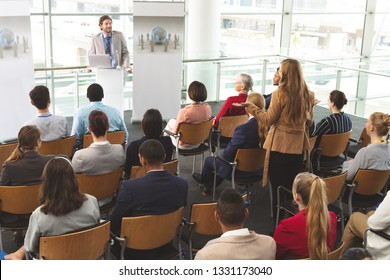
column 157, row 193
column 101, row 156
column 236, row 242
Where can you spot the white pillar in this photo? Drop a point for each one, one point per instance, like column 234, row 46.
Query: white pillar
column 203, row 32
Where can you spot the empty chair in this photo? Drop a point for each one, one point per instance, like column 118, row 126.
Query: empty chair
column 114, row 137
column 150, row 232
column 356, row 145
column 327, row 157
column 63, row 146
column 86, row 244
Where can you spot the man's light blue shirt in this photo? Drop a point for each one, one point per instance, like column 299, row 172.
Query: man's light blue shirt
column 80, row 120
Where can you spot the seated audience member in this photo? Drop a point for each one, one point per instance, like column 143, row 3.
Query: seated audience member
column 356, row 253
column 196, row 112
column 80, row 121
column 378, row 220
column 377, row 154
column 338, row 121
column 275, row 82
column 64, row 208
column 152, row 128
column 25, row 164
column 52, row 127
column 242, row 85
column 101, row 156
column 312, row 231
column 236, row 242
column 246, row 136
column 157, row 193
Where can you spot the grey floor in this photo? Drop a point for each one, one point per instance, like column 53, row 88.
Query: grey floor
column 259, row 218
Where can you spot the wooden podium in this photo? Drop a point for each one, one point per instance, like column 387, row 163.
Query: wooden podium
column 112, row 82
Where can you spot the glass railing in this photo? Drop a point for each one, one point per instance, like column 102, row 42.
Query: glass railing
column 365, row 87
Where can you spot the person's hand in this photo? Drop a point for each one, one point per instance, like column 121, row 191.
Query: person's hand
column 243, row 104
column 129, row 69
column 88, row 69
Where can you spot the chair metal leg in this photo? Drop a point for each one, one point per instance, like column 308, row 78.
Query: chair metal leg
column 270, row 198
column 215, row 177
column 193, row 164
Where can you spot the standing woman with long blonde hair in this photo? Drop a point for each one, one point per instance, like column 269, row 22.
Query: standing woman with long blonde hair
column 289, row 116
column 312, row 231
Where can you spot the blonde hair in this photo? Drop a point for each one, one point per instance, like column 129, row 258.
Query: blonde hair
column 312, row 190
column 28, row 139
column 258, row 100
column 381, row 122
column 246, row 81
column 295, row 90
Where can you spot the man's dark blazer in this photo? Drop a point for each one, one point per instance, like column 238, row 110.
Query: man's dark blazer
column 158, row 192
column 245, row 136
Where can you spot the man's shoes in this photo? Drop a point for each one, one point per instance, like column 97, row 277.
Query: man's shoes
column 197, row 178
column 205, row 191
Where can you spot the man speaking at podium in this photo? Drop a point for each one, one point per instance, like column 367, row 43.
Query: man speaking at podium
column 112, row 43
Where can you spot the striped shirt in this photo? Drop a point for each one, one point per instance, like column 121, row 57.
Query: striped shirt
column 334, row 124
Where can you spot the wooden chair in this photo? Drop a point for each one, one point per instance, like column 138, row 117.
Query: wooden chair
column 356, row 145
column 226, row 127
column 334, row 191
column 114, row 137
column 150, row 232
column 335, row 254
column 193, row 134
column 139, row 171
column 18, row 200
column 201, row 226
column 87, row 244
column 101, row 186
column 365, row 189
column 249, row 161
column 63, row 146
column 327, row 155
column 5, row 151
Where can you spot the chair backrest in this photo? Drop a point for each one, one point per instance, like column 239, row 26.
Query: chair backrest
column 100, row 186
column 202, row 215
column 250, row 160
column 139, row 171
column 88, row 244
column 63, row 146
column 333, row 145
column 228, row 124
column 195, row 133
column 335, row 254
column 370, row 182
column 152, row 231
column 114, row 137
column 5, row 151
column 334, row 186
column 364, row 139
column 19, row 199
